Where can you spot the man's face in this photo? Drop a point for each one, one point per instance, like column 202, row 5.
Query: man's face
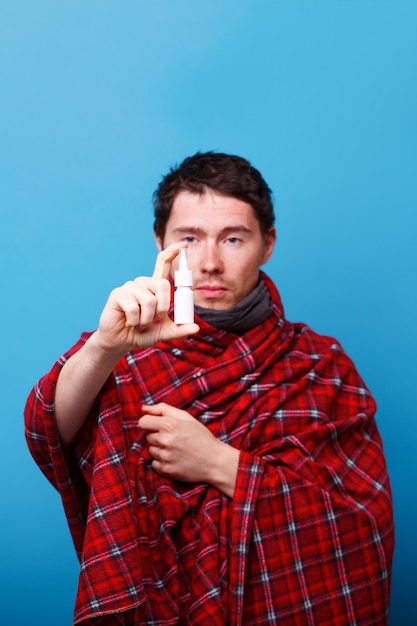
column 225, row 246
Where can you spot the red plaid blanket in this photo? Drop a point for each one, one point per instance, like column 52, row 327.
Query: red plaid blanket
column 308, row 537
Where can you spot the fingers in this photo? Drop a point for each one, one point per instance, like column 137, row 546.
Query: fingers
column 142, row 300
column 152, row 421
column 165, row 410
column 149, row 423
column 164, row 259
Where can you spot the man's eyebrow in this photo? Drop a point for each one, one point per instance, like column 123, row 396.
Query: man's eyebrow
column 195, row 230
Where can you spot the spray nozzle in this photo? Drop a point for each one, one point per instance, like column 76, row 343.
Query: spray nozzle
column 183, row 275
column 183, row 265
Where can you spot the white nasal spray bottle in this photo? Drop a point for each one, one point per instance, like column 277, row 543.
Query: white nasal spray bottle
column 183, row 296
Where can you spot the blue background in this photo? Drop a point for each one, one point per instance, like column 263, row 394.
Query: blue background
column 97, row 100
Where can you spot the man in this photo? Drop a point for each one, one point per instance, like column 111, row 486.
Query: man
column 224, row 472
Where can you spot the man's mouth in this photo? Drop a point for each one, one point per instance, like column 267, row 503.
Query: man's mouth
column 211, row 291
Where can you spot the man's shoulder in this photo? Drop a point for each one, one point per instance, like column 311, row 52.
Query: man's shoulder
column 308, row 339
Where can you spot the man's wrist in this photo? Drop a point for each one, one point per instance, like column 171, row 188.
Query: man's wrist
column 225, row 468
column 102, row 355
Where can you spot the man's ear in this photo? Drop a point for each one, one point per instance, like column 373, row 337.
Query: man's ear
column 269, row 243
column 158, row 242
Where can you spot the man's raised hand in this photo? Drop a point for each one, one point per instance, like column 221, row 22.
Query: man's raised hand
column 136, row 314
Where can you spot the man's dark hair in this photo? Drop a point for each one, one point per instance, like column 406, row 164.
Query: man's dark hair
column 224, row 173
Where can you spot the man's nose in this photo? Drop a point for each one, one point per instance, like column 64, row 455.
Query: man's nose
column 211, row 261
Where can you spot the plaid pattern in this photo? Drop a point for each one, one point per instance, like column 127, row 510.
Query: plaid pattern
column 308, row 537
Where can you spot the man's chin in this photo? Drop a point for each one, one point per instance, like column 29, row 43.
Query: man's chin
column 215, row 304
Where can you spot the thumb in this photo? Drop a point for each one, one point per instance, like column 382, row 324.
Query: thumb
column 184, row 330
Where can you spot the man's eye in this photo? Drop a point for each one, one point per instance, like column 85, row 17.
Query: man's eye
column 189, row 239
column 233, row 240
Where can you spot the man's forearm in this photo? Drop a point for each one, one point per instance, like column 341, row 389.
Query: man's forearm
column 78, row 385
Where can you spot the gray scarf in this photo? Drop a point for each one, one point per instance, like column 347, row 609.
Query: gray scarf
column 251, row 311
